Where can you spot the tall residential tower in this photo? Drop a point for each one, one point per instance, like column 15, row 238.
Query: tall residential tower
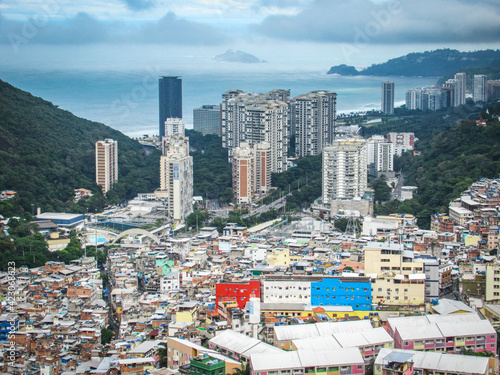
column 313, row 116
column 106, row 164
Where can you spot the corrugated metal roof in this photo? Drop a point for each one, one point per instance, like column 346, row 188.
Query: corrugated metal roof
column 317, row 343
column 472, row 328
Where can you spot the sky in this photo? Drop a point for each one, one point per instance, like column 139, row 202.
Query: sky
column 354, row 32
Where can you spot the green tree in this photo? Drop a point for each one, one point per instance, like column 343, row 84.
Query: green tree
column 106, row 336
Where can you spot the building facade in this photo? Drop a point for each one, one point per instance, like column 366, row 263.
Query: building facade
column 345, row 172
column 480, row 91
column 388, row 97
column 380, row 155
column 253, row 118
column 176, row 177
column 402, row 142
column 170, row 100
column 174, row 126
column 206, row 119
column 251, row 171
column 106, row 164
column 342, row 291
column 313, row 118
column 239, row 292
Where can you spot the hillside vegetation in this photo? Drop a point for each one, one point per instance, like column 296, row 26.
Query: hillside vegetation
column 46, row 152
column 438, row 63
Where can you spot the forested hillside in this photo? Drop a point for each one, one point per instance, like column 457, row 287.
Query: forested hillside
column 46, row 152
column 454, row 157
column 436, row 63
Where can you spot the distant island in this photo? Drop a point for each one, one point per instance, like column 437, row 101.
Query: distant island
column 436, row 63
column 238, row 56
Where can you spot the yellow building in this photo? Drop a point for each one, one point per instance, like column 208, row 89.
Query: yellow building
column 396, row 278
column 492, row 283
column 279, row 257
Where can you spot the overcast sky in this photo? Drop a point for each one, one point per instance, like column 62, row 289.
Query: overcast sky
column 352, row 26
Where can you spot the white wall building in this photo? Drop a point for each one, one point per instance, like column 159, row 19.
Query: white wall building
column 174, row 126
column 176, row 177
column 480, row 93
column 170, row 283
column 402, row 142
column 255, row 118
column 380, row 155
column 345, row 173
column 289, row 290
column 313, row 116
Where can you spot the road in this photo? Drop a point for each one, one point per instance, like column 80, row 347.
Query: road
column 277, row 204
column 396, row 194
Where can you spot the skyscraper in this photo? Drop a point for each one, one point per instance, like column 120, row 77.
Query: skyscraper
column 313, row 116
column 460, row 78
column 206, row 119
column 345, row 172
column 176, row 177
column 380, row 155
column 170, row 100
column 106, row 164
column 254, row 118
column 480, row 88
column 388, row 97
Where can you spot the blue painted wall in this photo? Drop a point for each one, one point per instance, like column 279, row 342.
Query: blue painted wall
column 342, row 292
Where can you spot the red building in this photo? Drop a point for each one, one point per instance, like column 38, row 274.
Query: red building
column 239, row 292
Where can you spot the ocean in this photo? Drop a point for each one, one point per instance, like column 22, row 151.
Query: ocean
column 126, row 98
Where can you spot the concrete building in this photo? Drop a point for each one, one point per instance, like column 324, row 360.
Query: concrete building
column 443, row 333
column 206, row 119
column 387, row 97
column 402, row 142
column 492, row 283
column 480, row 90
column 380, row 155
column 342, row 291
column 345, row 172
column 176, row 177
column 461, row 88
column 255, row 118
column 174, row 126
column 397, row 278
column 391, row 361
column 106, row 164
column 251, row 171
column 313, row 116
column 493, row 89
column 170, row 100
column 432, row 276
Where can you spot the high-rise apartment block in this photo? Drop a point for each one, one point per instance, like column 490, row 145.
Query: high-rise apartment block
column 254, row 118
column 345, row 173
column 461, row 88
column 176, row 177
column 402, row 142
column 206, row 119
column 313, row 119
column 251, row 171
column 170, row 100
column 388, row 97
column 380, row 155
column 493, row 89
column 424, row 99
column 174, row 126
column 480, row 91
column 106, row 164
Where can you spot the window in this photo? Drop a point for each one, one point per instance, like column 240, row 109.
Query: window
column 333, row 369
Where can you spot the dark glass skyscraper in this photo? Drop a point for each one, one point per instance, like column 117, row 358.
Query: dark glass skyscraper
column 170, row 96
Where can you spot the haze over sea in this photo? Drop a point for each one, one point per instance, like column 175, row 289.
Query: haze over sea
column 125, row 95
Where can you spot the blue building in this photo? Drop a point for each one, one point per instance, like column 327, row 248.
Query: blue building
column 61, row 219
column 7, row 321
column 343, row 291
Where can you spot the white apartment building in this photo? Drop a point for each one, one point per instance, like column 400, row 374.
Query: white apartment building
column 174, row 126
column 170, row 282
column 255, row 118
column 176, row 177
column 345, row 173
column 380, row 155
column 106, row 164
column 287, row 290
column 313, row 118
column 480, row 91
column 402, row 142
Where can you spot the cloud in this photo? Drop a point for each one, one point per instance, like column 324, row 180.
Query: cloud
column 139, row 4
column 392, row 21
column 85, row 29
column 173, row 30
